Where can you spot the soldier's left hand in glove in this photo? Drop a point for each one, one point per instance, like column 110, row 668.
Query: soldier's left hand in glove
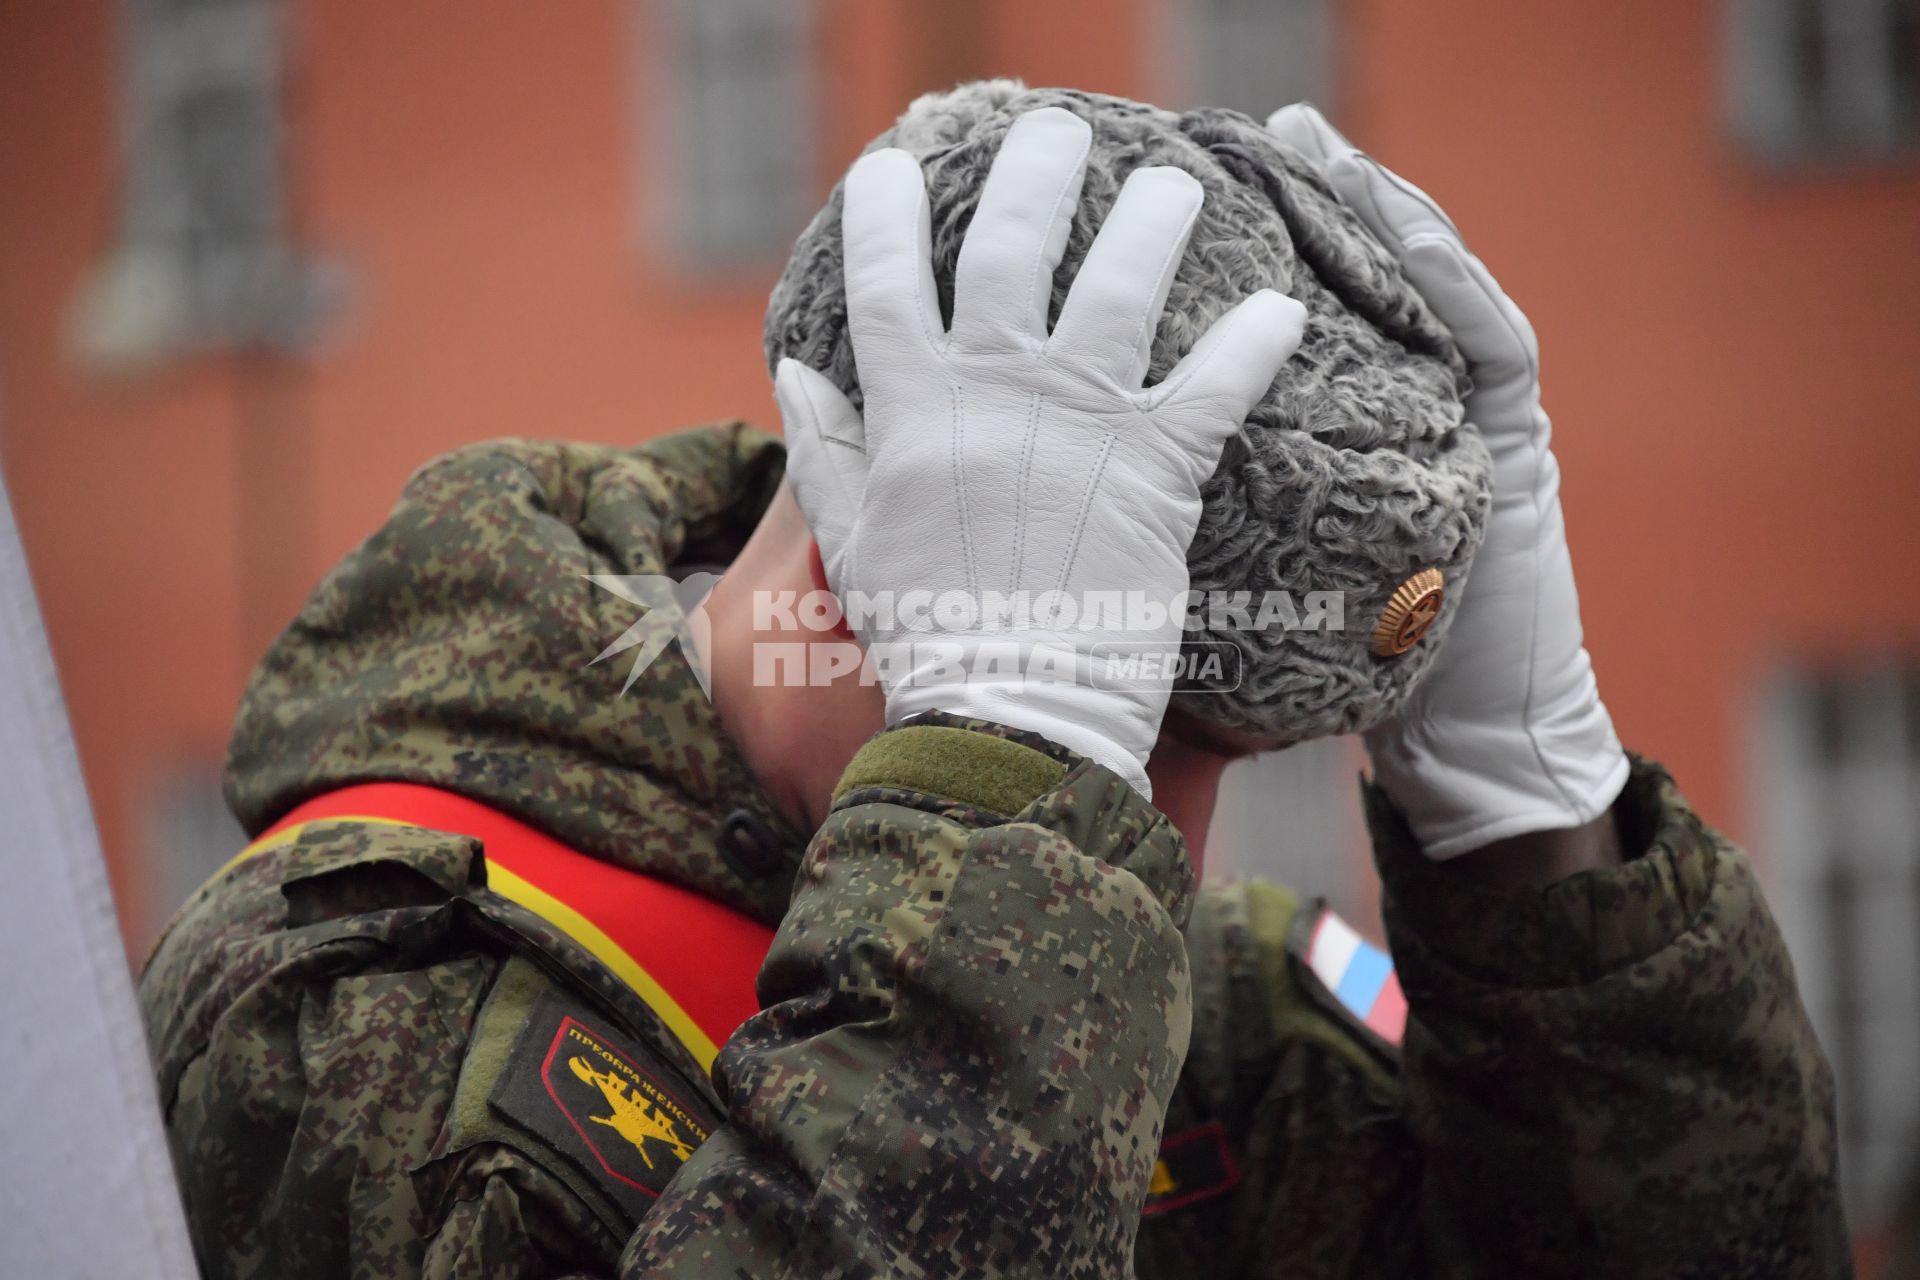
column 1507, row 735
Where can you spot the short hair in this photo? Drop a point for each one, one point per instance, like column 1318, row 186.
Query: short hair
column 1353, row 473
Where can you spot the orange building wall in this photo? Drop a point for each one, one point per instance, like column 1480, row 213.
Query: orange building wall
column 1730, row 359
column 124, row 495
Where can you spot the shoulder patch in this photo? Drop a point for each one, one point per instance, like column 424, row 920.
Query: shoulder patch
column 1194, row 1165
column 1356, row 975
column 600, row 1101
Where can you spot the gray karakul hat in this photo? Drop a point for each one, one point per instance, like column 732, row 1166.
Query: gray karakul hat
column 1355, row 475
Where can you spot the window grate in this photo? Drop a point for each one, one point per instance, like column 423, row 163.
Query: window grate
column 1823, row 81
column 1254, row 56
column 201, row 258
column 733, row 119
column 1838, row 778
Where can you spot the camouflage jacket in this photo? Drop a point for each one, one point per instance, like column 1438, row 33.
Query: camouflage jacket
column 986, row 1045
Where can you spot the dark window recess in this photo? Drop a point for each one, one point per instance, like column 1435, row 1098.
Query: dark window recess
column 731, row 127
column 1836, row 779
column 201, row 256
column 1811, row 83
column 1255, row 56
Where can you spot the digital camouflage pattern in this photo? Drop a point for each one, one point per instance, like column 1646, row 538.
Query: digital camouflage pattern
column 976, row 1018
column 978, row 1001
column 454, row 648
column 1610, row 1077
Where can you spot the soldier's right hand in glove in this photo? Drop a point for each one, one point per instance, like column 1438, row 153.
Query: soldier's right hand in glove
column 996, row 457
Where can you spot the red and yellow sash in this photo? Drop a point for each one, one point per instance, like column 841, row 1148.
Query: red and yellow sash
column 691, row 959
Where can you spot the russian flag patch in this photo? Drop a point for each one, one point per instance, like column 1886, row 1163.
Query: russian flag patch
column 1359, row 975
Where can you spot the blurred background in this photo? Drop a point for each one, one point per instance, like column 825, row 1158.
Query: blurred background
column 261, row 258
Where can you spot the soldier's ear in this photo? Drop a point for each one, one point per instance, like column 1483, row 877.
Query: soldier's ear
column 817, row 574
column 816, row 566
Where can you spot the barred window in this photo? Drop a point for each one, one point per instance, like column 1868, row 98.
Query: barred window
column 1252, row 55
column 186, row 834
column 1837, row 776
column 1294, row 817
column 201, row 256
column 1816, row 81
column 732, row 122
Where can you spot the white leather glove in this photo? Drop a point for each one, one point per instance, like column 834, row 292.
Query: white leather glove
column 997, row 458
column 1507, row 734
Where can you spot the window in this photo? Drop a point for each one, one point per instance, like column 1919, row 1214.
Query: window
column 1294, row 817
column 733, row 125
column 1255, row 56
column 1823, row 80
column 201, row 258
column 1837, row 775
column 187, row 835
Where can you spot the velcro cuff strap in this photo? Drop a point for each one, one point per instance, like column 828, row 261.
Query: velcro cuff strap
column 962, row 765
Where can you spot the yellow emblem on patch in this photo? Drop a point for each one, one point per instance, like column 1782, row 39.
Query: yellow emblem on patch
column 1163, row 1183
column 616, row 1109
column 1195, row 1165
column 633, row 1117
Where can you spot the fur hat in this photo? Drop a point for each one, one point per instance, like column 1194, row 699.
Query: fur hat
column 1353, row 474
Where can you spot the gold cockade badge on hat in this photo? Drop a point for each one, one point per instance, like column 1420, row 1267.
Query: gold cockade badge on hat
column 1411, row 609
